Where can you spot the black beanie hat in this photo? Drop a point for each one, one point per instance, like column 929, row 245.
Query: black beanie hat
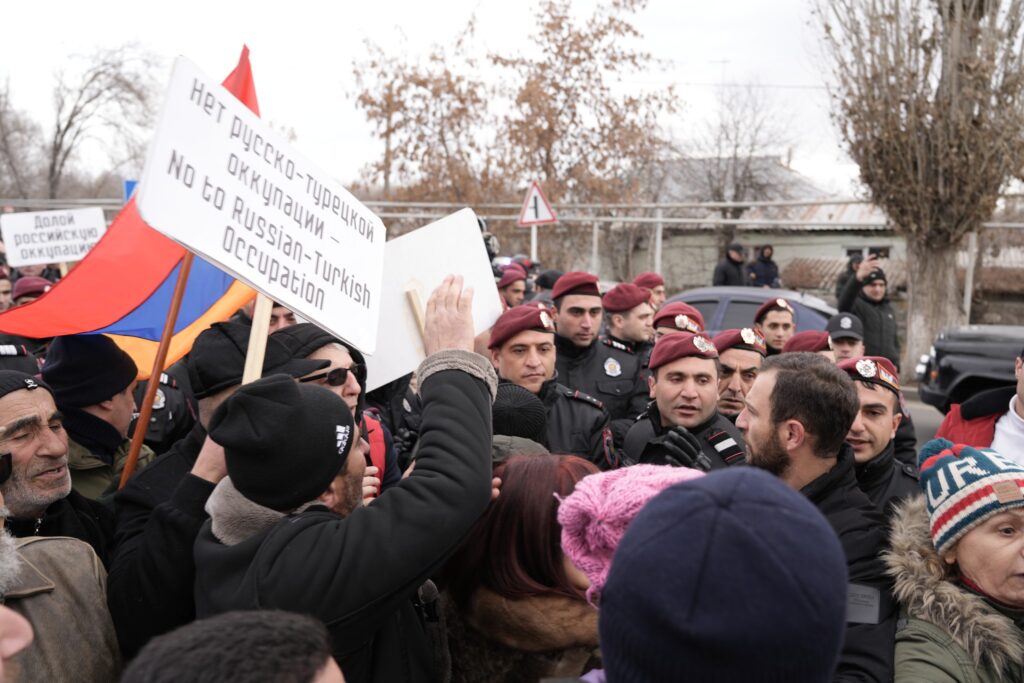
column 14, row 380
column 751, row 588
column 283, row 441
column 305, row 338
column 518, row 412
column 876, row 274
column 86, row 369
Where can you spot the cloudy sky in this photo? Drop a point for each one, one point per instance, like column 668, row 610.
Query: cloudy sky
column 302, row 55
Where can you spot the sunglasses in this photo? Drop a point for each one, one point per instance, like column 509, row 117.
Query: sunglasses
column 6, row 467
column 339, row 376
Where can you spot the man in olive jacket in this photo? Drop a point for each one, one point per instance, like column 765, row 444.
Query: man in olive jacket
column 287, row 527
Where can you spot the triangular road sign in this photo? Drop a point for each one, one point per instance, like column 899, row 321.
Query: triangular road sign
column 536, row 209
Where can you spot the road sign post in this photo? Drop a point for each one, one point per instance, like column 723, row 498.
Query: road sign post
column 536, row 211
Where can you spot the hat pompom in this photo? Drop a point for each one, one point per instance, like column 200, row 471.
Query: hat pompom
column 930, row 450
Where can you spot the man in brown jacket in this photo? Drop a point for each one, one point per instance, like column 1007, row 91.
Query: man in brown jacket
column 59, row 586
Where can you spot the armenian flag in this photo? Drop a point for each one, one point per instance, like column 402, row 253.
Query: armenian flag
column 123, row 287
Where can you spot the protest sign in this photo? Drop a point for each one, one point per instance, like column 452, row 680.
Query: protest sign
column 415, row 267
column 40, row 237
column 227, row 186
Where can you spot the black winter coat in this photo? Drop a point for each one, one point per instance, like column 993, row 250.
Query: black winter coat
column 728, row 273
column 886, row 481
column 719, row 438
column 75, row 516
column 360, row 574
column 763, row 272
column 881, row 337
column 152, row 575
column 577, row 425
column 868, row 650
column 610, row 370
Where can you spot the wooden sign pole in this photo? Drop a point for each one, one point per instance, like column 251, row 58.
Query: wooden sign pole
column 257, row 339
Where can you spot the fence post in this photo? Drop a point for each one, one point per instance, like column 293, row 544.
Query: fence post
column 595, row 237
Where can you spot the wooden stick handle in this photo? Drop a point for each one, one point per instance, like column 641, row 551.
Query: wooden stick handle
column 412, row 296
column 142, row 424
column 257, row 339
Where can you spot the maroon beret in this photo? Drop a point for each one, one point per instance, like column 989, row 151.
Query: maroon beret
column 519, row 319
column 678, row 345
column 576, row 282
column 740, row 339
column 30, row 286
column 680, row 316
column 649, row 280
column 773, row 305
column 811, row 340
column 511, row 273
column 624, row 297
column 874, row 369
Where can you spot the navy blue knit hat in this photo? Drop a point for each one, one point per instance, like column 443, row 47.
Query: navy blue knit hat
column 86, row 369
column 751, row 588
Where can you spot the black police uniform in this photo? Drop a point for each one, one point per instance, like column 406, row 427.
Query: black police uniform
column 577, row 425
column 886, row 480
column 174, row 411
column 610, row 370
column 719, row 439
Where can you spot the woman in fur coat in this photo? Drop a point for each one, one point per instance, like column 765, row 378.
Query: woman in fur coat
column 957, row 557
column 515, row 608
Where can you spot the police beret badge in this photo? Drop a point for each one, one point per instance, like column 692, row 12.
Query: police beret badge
column 867, row 368
column 683, row 322
column 703, row 344
column 546, row 321
column 612, row 368
column 784, row 304
column 748, row 336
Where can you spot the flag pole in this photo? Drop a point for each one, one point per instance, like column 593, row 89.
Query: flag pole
column 142, row 424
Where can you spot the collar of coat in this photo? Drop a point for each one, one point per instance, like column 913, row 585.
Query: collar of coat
column 926, row 587
column 539, row 623
column 30, row 581
column 234, row 518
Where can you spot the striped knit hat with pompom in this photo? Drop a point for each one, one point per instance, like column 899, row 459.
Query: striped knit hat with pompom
column 964, row 486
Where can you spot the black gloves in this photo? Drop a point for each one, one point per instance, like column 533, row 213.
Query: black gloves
column 682, row 449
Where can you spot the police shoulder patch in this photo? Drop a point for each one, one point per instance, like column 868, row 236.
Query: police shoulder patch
column 616, row 345
column 586, row 398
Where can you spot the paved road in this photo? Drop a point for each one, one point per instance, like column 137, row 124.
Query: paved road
column 926, row 418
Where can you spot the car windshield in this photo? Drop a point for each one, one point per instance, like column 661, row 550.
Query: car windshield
column 739, row 314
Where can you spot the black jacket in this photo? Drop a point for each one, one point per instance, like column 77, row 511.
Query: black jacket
column 868, row 650
column 885, row 480
column 881, row 337
column 75, row 516
column 610, row 370
column 905, row 443
column 728, row 273
column 763, row 272
column 577, row 424
column 719, row 438
column 159, row 513
column 360, row 574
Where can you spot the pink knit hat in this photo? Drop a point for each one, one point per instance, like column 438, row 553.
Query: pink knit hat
column 600, row 509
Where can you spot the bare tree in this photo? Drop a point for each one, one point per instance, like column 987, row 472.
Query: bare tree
column 739, row 137
column 113, row 93
column 929, row 98
column 19, row 153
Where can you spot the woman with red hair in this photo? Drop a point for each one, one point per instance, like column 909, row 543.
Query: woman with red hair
column 515, row 607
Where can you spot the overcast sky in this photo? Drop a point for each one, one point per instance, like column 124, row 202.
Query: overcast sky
column 302, row 54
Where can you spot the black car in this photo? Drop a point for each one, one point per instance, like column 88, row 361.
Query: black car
column 726, row 308
column 966, row 360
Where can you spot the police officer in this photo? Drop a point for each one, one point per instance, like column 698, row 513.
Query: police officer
column 682, row 425
column 627, row 345
column 606, row 370
column 847, row 334
column 811, row 341
column 740, row 356
column 654, row 282
column 775, row 320
column 512, row 285
column 883, row 478
column 522, row 346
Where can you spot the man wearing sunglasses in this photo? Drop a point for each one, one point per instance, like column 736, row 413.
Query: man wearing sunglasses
column 346, row 377
column 38, row 493
column 56, row 585
column 161, row 509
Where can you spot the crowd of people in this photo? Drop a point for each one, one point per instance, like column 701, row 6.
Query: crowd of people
column 596, row 488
